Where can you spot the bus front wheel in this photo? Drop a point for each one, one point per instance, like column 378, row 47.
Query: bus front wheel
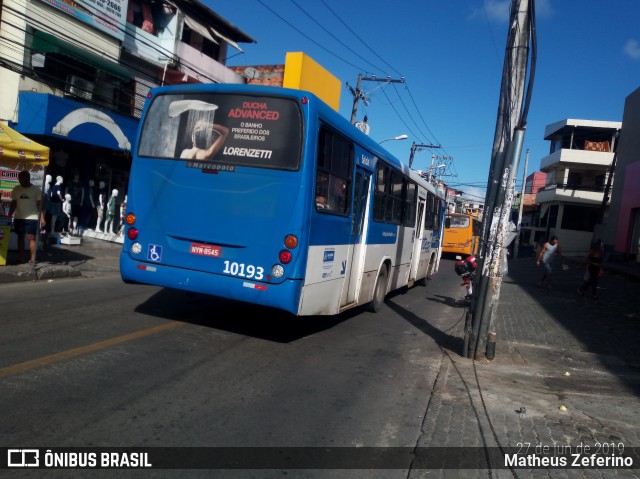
column 379, row 292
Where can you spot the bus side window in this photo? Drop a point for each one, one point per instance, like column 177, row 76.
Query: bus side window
column 394, row 200
column 379, row 194
column 436, row 213
column 337, row 197
column 477, row 228
column 322, row 189
column 410, row 197
column 333, row 175
column 430, row 213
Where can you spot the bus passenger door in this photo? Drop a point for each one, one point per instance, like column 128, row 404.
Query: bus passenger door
column 418, row 238
column 359, row 225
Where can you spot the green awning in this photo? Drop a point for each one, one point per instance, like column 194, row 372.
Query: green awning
column 46, row 43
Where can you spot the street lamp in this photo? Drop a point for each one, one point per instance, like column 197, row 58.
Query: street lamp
column 399, row 137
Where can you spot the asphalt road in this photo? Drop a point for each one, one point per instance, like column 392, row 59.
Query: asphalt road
column 92, row 362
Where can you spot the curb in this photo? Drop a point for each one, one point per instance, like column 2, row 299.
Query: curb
column 56, row 273
column 44, row 273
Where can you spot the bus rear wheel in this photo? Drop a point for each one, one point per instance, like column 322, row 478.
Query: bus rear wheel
column 379, row 291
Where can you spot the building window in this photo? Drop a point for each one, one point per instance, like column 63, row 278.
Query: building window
column 579, row 218
column 140, row 14
column 574, row 179
column 80, row 73
column 200, row 43
column 550, row 217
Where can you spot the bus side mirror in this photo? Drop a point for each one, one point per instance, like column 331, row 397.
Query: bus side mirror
column 447, row 223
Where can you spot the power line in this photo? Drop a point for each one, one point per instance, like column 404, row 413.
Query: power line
column 312, row 18
column 420, row 133
column 358, row 37
column 309, row 38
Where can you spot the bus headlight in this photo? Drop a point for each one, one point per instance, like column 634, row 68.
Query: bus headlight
column 277, row 271
column 136, row 248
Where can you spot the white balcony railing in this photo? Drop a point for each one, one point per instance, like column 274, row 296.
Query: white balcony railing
column 561, row 193
column 575, row 158
column 203, row 68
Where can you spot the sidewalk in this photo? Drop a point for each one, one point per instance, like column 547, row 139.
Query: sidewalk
column 566, row 373
column 91, row 257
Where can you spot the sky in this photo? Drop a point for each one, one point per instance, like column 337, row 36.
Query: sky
column 451, row 55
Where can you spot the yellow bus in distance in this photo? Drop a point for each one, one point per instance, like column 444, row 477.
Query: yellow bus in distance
column 461, row 234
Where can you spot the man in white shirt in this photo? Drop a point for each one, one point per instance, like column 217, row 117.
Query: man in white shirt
column 25, row 208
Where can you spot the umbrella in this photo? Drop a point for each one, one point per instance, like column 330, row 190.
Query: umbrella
column 19, row 152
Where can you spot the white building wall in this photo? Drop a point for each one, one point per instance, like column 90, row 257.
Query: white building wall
column 11, row 37
column 153, row 49
column 205, row 69
column 47, row 19
column 67, row 29
column 574, row 243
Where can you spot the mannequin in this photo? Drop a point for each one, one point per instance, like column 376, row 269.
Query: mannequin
column 123, row 210
column 111, row 212
column 76, row 192
column 47, row 184
column 67, row 210
column 46, row 196
column 101, row 204
column 88, row 205
column 56, row 202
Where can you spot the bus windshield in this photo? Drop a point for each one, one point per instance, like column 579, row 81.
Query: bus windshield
column 214, row 131
column 459, row 221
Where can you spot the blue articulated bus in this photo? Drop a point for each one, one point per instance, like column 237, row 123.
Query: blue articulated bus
column 267, row 195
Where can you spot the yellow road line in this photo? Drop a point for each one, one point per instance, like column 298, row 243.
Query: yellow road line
column 71, row 353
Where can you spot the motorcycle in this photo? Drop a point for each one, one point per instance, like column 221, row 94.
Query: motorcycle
column 466, row 269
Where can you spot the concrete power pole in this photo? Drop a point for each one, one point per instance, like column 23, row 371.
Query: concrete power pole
column 358, row 94
column 418, row 147
column 480, row 335
column 521, row 206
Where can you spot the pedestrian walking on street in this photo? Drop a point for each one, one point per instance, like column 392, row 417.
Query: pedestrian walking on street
column 550, row 251
column 539, row 245
column 26, row 210
column 594, row 270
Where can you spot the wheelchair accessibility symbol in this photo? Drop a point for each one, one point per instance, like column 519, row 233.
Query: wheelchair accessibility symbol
column 154, row 253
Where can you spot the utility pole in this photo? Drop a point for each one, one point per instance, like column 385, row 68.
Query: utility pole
column 440, row 158
column 524, row 184
column 417, row 147
column 358, row 94
column 433, row 168
column 480, row 333
column 607, row 189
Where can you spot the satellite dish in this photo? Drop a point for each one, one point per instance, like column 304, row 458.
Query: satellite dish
column 250, row 73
